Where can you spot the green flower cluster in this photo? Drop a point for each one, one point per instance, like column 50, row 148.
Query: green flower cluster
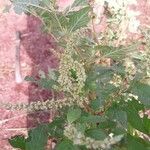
column 79, row 138
column 38, row 105
column 130, row 96
column 72, row 78
column 67, row 82
column 130, row 68
column 116, row 80
column 146, row 63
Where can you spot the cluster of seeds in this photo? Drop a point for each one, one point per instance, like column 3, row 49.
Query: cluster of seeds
column 130, row 96
column 130, row 68
column 69, row 83
column 79, row 138
column 38, row 105
column 44, row 105
column 66, row 81
column 145, row 67
column 116, row 81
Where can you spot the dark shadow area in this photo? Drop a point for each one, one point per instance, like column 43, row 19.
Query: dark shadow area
column 38, row 47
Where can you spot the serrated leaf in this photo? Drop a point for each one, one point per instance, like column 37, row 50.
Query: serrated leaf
column 73, row 114
column 38, row 137
column 66, row 145
column 18, row 141
column 78, row 19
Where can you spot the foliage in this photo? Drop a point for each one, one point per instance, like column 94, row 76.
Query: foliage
column 105, row 100
column 37, row 139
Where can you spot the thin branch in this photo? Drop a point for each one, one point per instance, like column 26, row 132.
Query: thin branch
column 18, row 76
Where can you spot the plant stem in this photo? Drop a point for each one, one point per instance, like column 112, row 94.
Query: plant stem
column 18, row 76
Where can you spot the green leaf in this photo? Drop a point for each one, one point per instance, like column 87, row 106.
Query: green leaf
column 98, row 80
column 91, row 119
column 146, row 121
column 141, row 124
column 46, row 2
column 119, row 116
column 46, row 83
column 118, row 130
column 66, row 145
column 79, row 3
column 29, row 78
column 104, row 92
column 98, row 76
column 116, row 53
column 56, row 128
column 78, row 19
column 18, row 142
column 54, row 22
column 95, row 104
column 107, row 124
column 73, row 114
column 134, row 143
column 111, row 52
column 97, row 134
column 142, row 91
column 82, row 147
column 81, row 127
column 38, row 137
